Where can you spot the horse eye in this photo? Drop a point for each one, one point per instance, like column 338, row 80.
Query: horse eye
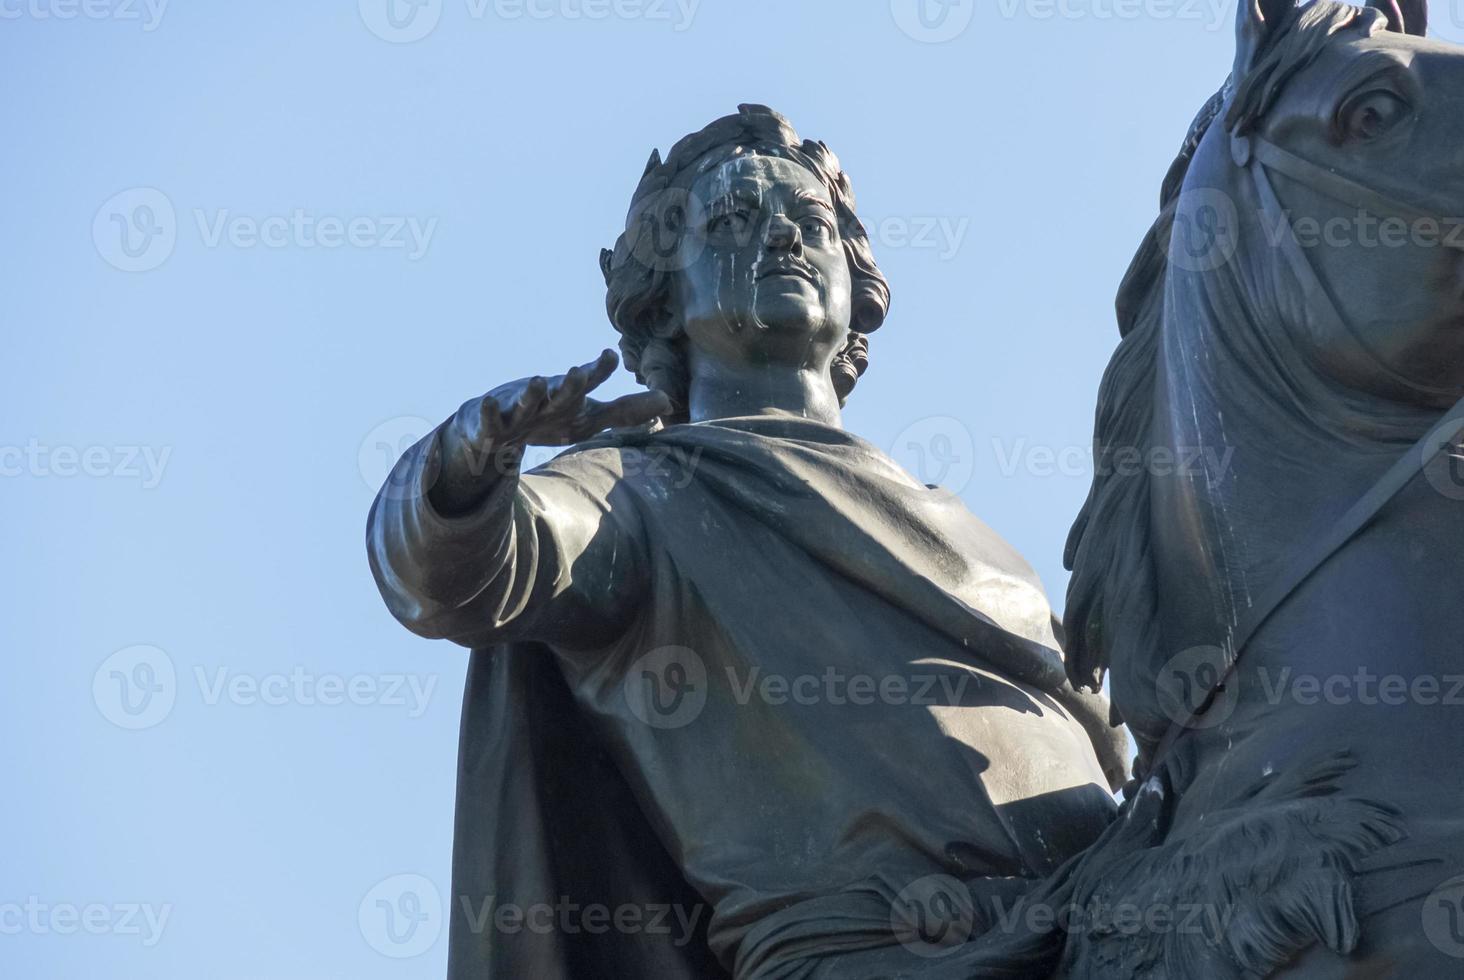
column 1372, row 115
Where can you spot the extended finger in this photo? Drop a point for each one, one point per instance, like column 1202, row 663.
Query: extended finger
column 528, row 403
column 636, row 409
column 567, row 389
column 492, row 416
column 598, row 370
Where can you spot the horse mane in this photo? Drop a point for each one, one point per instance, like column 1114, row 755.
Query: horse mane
column 1111, row 597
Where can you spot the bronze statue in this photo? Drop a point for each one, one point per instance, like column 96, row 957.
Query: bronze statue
column 670, row 622
column 1241, row 608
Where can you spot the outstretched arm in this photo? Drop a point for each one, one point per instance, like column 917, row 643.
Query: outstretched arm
column 464, row 546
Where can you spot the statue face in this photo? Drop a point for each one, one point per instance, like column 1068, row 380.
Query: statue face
column 763, row 278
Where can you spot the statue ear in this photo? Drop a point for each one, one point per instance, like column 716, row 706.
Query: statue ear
column 1255, row 19
column 1404, row 16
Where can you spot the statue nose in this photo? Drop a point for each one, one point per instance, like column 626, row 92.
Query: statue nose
column 783, row 234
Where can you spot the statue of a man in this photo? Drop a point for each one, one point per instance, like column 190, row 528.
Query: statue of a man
column 729, row 658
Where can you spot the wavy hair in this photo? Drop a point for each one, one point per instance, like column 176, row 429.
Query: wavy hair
column 640, row 270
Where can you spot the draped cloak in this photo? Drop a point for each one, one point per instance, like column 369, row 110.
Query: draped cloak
column 745, row 678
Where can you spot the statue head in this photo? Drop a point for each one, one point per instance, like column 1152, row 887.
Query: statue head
column 743, row 246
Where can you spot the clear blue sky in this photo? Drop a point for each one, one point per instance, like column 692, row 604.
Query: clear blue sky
column 222, row 751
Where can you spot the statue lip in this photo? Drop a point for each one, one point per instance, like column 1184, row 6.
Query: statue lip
column 796, row 269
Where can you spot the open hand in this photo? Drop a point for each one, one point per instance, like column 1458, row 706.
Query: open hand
column 557, row 411
column 485, row 440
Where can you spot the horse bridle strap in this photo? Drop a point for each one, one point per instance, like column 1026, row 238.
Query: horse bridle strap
column 1339, row 187
column 1315, row 555
column 1442, row 435
column 1259, row 155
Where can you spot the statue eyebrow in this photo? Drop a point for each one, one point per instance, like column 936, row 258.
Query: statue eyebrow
column 743, row 193
column 814, row 198
column 1368, row 66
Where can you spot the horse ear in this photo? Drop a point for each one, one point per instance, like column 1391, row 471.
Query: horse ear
column 1255, row 19
column 1404, row 16
column 1415, row 16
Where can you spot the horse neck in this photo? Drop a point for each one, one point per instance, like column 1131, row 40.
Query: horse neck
column 1268, row 452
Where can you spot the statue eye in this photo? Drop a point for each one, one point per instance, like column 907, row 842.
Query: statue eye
column 730, row 221
column 815, row 227
column 1373, row 115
